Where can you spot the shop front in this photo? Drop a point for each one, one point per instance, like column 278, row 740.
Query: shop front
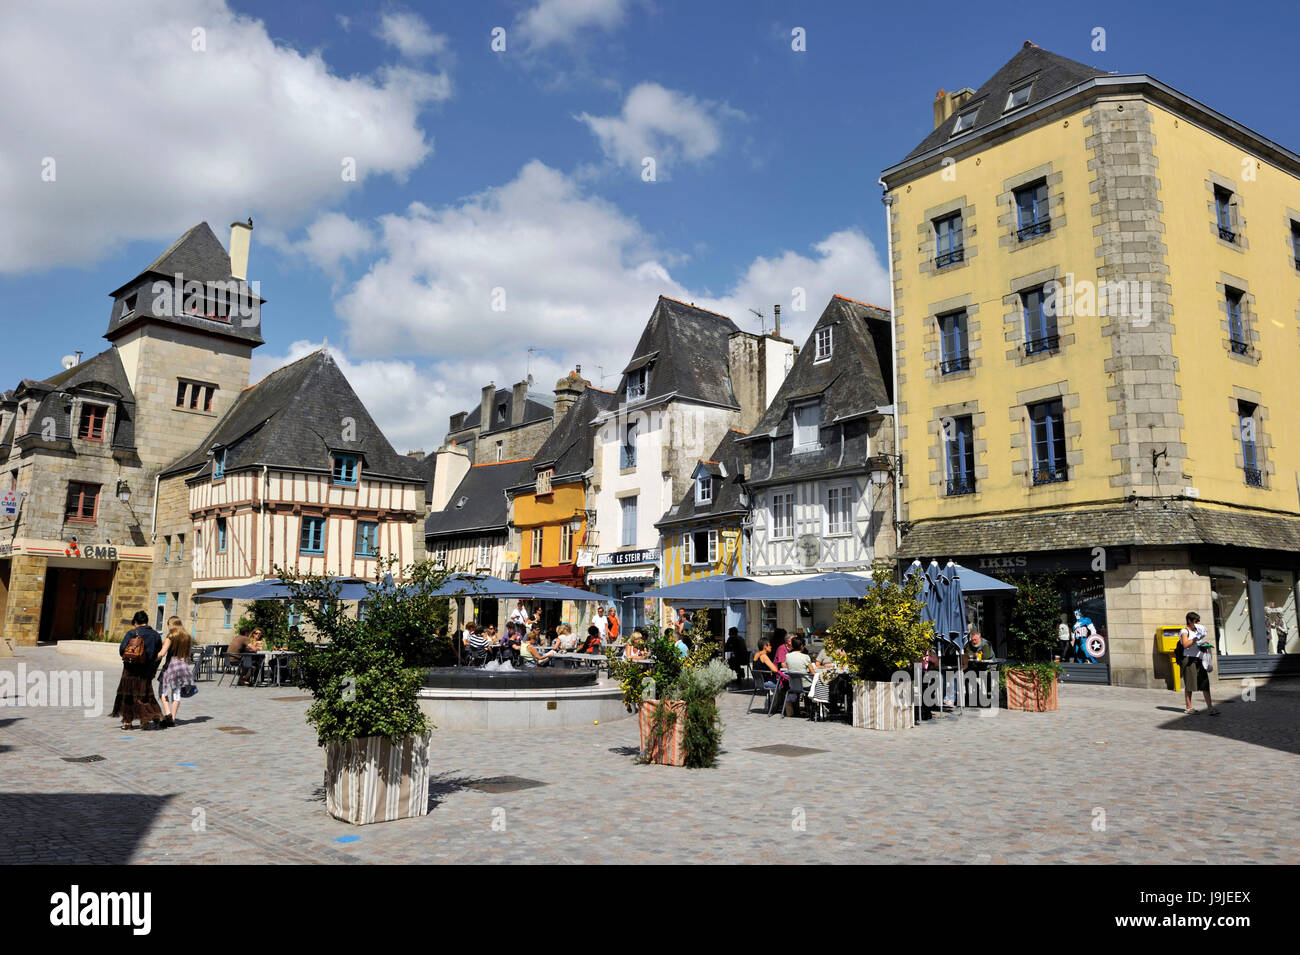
column 622, row 576
column 1253, row 600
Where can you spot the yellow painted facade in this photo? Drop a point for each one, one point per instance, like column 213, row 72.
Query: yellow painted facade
column 677, row 569
column 546, row 515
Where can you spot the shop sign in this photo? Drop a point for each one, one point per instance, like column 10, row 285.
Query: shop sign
column 1076, row 560
column 586, row 557
column 619, row 558
column 100, row 552
column 10, row 502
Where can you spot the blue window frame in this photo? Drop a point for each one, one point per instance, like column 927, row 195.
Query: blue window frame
column 367, row 539
column 180, row 548
column 1040, row 321
column 1047, row 419
column 954, row 343
column 961, row 456
column 948, row 247
column 1236, row 327
column 219, row 464
column 221, row 535
column 227, row 607
column 1249, row 443
column 311, row 540
column 1223, row 214
column 345, row 469
column 1031, row 211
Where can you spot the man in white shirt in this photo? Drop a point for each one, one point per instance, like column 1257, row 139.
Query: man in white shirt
column 600, row 622
column 520, row 614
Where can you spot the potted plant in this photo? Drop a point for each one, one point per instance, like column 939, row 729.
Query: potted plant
column 1030, row 678
column 364, row 678
column 877, row 637
column 677, row 701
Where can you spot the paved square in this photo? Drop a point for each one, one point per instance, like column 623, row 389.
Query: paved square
column 1116, row 775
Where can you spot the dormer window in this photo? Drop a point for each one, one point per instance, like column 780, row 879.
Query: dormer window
column 824, row 343
column 219, row 464
column 345, row 470
column 91, row 427
column 964, row 121
column 544, row 481
column 807, row 425
column 128, row 304
column 704, row 489
column 1018, row 97
column 501, row 413
column 637, row 382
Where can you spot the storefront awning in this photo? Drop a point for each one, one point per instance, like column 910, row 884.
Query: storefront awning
column 776, row 580
column 622, row 573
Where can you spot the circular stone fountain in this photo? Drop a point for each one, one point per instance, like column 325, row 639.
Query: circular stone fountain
column 506, row 698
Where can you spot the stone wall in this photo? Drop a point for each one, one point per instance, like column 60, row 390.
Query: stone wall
column 22, row 613
column 130, row 593
column 1156, row 589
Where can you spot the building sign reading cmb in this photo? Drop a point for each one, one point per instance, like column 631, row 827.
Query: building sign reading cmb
column 618, row 558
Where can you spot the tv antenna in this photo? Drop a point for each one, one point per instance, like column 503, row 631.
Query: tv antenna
column 762, row 321
column 532, row 350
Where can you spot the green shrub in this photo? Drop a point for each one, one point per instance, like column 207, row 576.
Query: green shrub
column 1034, row 619
column 883, row 632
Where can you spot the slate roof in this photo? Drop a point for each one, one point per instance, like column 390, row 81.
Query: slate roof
column 100, row 376
column 199, row 257
column 428, row 468
column 537, row 407
column 1134, row 524
column 852, row 382
column 686, row 348
column 293, row 419
column 1051, row 73
column 728, row 455
column 484, row 492
column 568, row 449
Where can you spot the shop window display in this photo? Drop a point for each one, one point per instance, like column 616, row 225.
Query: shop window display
column 1231, row 611
column 1279, row 610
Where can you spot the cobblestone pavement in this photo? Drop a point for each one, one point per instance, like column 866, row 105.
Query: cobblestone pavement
column 1117, row 775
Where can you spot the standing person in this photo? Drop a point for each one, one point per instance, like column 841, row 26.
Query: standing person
column 139, row 653
column 612, row 625
column 737, row 653
column 177, row 669
column 600, row 621
column 683, row 648
column 520, row 615
column 1196, row 647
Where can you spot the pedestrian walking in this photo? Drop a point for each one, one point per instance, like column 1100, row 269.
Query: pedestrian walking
column 177, row 670
column 139, row 652
column 1197, row 652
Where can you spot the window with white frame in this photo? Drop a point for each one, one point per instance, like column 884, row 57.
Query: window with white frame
column 782, row 516
column 839, row 510
column 536, row 559
column 566, row 544
column 807, row 421
column 440, row 554
column 700, row 548
column 485, row 553
column 824, row 342
column 544, row 481
column 628, row 507
column 1018, row 97
column 704, row 489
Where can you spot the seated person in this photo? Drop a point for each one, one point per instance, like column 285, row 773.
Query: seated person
column 977, row 648
column 246, row 641
column 476, row 642
column 636, row 649
column 564, row 638
column 682, row 646
column 592, row 643
column 737, row 653
column 796, row 661
column 763, row 664
column 532, row 653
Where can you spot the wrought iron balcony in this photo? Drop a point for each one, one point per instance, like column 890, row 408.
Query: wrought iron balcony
column 1227, row 235
column 1254, row 477
column 1051, row 475
column 1037, row 227
column 961, row 485
column 949, row 258
column 1239, row 347
column 950, row 365
column 1038, row 345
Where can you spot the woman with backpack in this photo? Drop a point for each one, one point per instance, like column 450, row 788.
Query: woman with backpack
column 177, row 670
column 139, row 653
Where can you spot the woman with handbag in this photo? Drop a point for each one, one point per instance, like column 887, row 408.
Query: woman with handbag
column 1197, row 651
column 139, row 653
column 176, row 681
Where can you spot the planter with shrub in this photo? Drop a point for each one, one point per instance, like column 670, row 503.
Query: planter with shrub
column 1030, row 678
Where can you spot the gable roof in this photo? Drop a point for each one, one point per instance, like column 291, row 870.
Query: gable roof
column 537, row 407
column 198, row 256
column 483, row 489
column 100, row 376
column 568, row 449
column 730, row 456
column 686, row 350
column 294, row 419
column 1050, row 72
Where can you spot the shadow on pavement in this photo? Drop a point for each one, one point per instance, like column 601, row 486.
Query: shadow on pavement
column 442, row 786
column 75, row 828
column 1262, row 722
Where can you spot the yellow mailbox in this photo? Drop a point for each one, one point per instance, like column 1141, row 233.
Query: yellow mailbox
column 1167, row 643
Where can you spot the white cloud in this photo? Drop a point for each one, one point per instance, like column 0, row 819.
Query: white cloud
column 410, row 34
column 561, row 21
column 150, row 135
column 331, row 240
column 580, row 279
column 663, row 124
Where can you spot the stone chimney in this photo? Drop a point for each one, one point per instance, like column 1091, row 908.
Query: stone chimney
column 485, row 407
column 416, row 455
column 241, row 236
column 457, row 421
column 451, row 467
column 518, row 403
column 567, row 392
column 945, row 104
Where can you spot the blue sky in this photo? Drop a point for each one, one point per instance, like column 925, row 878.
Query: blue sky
column 517, row 170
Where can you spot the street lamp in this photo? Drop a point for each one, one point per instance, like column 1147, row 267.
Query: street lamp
column 123, row 492
column 882, row 467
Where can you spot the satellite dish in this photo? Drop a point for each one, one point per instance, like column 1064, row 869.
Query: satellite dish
column 69, row 361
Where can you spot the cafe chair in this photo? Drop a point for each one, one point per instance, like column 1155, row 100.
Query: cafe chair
column 794, row 691
column 764, row 682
